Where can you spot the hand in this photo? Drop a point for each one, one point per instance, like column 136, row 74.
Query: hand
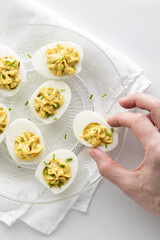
column 143, row 183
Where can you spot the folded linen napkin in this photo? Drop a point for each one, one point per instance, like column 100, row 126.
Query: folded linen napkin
column 30, row 12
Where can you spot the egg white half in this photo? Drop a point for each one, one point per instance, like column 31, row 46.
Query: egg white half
column 16, row 128
column 2, row 136
column 39, row 60
column 6, row 52
column 60, row 85
column 59, row 154
column 83, row 119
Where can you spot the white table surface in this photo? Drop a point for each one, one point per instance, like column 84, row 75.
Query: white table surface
column 133, row 28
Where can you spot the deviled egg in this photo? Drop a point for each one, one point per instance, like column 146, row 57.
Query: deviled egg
column 4, row 121
column 58, row 170
column 58, row 60
column 50, row 101
column 92, row 130
column 25, row 142
column 12, row 72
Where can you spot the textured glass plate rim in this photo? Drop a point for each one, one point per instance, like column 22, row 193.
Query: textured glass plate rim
column 99, row 178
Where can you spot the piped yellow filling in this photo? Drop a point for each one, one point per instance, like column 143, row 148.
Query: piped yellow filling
column 57, row 173
column 27, row 146
column 96, row 135
column 48, row 101
column 62, row 60
column 9, row 72
column 3, row 120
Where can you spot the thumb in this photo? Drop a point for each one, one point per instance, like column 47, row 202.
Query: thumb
column 112, row 170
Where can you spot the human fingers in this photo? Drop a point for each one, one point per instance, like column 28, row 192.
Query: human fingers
column 140, row 125
column 112, row 170
column 140, row 100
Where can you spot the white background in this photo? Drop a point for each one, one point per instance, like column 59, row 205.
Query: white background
column 133, row 28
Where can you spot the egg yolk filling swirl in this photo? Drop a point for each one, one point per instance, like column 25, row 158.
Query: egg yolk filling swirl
column 3, row 120
column 62, row 60
column 96, row 135
column 57, row 173
column 48, row 101
column 27, row 146
column 9, row 72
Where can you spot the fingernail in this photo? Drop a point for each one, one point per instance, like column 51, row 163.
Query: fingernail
column 122, row 98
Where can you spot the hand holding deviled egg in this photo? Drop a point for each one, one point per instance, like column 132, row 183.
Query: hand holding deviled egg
column 92, row 130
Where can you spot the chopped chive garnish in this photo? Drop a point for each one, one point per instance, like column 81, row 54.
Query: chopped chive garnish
column 105, row 145
column 65, row 136
column 26, row 103
column 58, row 106
column 91, row 96
column 69, row 159
column 45, row 163
column 55, row 118
column 7, row 69
column 50, row 115
column 108, row 134
column 53, row 175
column 59, row 185
column 62, row 58
column 14, row 80
column 55, row 183
column 62, row 166
column 7, row 61
column 29, row 55
column 112, row 130
column 22, row 140
column 59, row 69
column 20, row 149
column 3, row 76
column 104, row 95
column 29, row 119
column 9, row 109
column 74, row 68
column 14, row 61
column 53, row 156
column 42, row 97
column 50, row 184
column 54, row 107
column 10, row 65
column 46, row 171
column 35, row 145
column 63, row 90
column 18, row 166
column 18, row 64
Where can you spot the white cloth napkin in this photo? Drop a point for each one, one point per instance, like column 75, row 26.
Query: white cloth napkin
column 46, row 218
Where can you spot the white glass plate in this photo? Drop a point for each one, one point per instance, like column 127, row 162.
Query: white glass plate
column 98, row 75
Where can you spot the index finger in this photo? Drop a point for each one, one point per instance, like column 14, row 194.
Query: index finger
column 140, row 100
column 140, row 125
